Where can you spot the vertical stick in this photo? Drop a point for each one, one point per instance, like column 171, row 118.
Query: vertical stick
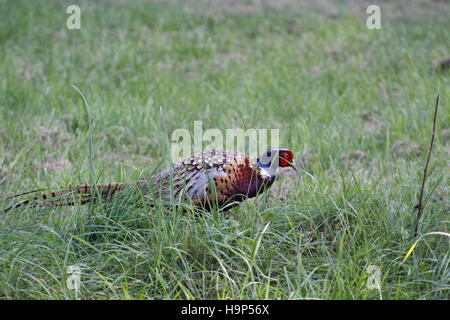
column 419, row 206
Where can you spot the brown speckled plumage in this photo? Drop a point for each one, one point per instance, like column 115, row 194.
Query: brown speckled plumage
column 214, row 177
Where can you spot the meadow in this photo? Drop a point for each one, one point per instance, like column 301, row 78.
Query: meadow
column 355, row 105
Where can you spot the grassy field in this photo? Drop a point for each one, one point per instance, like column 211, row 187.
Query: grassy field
column 355, row 105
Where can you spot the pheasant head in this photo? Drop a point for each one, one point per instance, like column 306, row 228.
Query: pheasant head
column 273, row 159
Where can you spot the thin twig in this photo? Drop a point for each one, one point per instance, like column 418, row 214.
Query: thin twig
column 419, row 206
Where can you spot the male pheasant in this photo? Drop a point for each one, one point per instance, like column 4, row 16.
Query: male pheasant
column 213, row 178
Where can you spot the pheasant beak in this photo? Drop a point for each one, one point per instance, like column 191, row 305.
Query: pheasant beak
column 292, row 165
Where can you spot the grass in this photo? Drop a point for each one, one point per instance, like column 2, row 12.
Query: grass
column 355, row 104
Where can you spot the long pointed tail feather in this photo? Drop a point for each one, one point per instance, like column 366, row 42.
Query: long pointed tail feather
column 22, row 194
column 80, row 194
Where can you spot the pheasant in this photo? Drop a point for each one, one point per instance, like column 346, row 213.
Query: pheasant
column 213, row 178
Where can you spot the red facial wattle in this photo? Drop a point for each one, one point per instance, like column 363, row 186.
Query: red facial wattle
column 286, row 158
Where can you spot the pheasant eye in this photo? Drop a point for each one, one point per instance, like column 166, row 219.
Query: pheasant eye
column 286, row 158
